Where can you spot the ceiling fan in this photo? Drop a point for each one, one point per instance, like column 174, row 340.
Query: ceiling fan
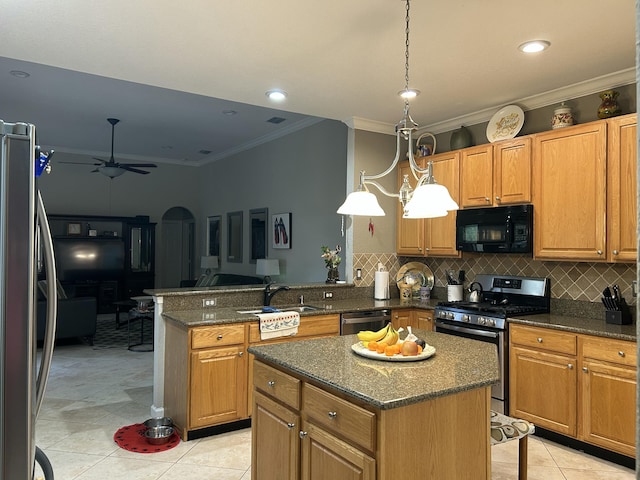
column 111, row 168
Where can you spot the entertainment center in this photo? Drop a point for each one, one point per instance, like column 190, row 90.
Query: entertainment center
column 109, row 258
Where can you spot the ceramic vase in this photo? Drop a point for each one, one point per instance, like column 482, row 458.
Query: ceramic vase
column 460, row 138
column 609, row 106
column 333, row 275
column 562, row 117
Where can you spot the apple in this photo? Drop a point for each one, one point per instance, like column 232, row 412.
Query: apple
column 409, row 348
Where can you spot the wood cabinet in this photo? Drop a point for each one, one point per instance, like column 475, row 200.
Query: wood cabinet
column 430, row 237
column 476, row 176
column 577, row 385
column 584, row 192
column 218, row 375
column 414, row 317
column 622, row 217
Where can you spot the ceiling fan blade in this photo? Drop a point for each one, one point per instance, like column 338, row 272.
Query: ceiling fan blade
column 131, row 169
column 143, row 165
column 79, row 163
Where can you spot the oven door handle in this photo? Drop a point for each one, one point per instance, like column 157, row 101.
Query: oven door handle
column 473, row 331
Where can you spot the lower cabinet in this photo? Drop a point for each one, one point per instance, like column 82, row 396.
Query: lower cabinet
column 413, row 317
column 578, row 385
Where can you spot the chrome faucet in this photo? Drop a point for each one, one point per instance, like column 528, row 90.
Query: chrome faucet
column 268, row 294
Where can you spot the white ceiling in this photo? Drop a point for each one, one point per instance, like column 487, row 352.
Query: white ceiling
column 168, row 69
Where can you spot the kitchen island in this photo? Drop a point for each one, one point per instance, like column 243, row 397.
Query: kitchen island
column 320, row 409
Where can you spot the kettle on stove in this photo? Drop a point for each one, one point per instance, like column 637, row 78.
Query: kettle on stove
column 475, row 292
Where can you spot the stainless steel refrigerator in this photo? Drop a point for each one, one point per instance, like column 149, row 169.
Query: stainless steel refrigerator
column 25, row 248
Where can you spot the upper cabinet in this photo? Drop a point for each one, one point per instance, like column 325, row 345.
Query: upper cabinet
column 584, row 192
column 621, row 189
column 496, row 174
column 430, row 237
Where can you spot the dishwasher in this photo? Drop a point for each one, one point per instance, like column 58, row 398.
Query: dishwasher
column 373, row 320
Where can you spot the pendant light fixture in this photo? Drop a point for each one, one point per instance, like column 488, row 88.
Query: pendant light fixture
column 429, row 200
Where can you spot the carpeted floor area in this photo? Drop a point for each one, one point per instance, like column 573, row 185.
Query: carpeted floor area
column 108, row 336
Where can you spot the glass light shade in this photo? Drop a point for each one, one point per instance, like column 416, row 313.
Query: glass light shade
column 111, row 172
column 361, row 203
column 267, row 266
column 430, row 201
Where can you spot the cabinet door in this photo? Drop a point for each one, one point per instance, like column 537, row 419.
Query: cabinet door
column 543, row 389
column 401, row 318
column 569, row 187
column 476, row 176
column 424, row 319
column 621, row 190
column 274, row 443
column 218, row 392
column 440, row 233
column 512, row 171
column 325, row 456
column 608, row 414
column 409, row 231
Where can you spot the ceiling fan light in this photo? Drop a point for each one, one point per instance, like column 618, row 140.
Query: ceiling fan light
column 111, row 172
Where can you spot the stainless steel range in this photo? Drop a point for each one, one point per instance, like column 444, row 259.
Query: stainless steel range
column 502, row 296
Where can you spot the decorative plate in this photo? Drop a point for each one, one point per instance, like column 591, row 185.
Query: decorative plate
column 360, row 349
column 417, row 274
column 505, row 124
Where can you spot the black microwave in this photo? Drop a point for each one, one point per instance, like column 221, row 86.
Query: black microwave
column 495, row 229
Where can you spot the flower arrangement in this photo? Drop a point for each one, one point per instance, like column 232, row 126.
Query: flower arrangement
column 331, row 257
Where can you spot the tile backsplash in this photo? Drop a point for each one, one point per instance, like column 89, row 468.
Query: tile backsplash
column 569, row 280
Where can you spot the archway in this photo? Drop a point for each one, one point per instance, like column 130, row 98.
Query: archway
column 177, row 247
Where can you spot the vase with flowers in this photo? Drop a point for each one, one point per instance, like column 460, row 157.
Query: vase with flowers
column 332, row 260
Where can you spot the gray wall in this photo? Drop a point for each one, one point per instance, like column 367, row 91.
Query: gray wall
column 303, row 174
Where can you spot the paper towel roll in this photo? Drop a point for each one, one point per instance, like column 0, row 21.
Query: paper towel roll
column 381, row 288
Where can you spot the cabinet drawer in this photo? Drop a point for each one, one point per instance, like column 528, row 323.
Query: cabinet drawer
column 217, row 335
column 343, row 418
column 609, row 350
column 311, row 326
column 277, row 384
column 544, row 339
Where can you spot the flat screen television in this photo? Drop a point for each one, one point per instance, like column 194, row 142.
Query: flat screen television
column 89, row 259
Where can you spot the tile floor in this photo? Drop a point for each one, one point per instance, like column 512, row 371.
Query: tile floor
column 92, row 393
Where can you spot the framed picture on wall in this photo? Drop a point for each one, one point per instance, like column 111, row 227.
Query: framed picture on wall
column 213, row 236
column 281, row 230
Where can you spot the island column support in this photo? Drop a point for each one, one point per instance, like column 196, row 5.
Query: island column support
column 157, row 408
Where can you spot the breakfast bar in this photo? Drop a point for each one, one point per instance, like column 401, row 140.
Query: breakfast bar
column 319, row 407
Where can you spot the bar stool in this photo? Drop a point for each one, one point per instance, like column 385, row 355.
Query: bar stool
column 504, row 429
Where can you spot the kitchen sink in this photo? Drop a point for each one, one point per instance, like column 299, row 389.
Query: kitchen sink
column 298, row 308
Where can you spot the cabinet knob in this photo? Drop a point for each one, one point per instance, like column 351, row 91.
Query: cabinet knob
column 419, row 249
column 219, row 337
column 240, row 354
column 487, row 199
column 303, row 434
column 333, row 415
column 570, row 366
column 621, row 353
column 539, row 339
column 599, row 252
column 497, row 199
column 615, row 252
column 271, row 383
column 290, row 425
column 426, row 249
column 585, row 369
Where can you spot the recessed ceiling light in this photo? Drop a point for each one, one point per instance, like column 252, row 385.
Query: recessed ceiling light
column 534, row 46
column 19, row 74
column 276, row 95
column 409, row 93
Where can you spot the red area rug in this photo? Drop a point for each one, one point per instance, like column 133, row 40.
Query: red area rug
column 132, row 439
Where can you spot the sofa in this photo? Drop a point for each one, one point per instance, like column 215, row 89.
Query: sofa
column 222, row 279
column 77, row 317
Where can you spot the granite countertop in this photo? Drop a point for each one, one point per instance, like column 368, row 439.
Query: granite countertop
column 218, row 315
column 459, row 364
column 582, row 325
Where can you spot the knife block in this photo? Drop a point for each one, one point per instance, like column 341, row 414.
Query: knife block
column 619, row 317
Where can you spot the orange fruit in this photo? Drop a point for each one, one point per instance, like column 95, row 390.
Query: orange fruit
column 390, row 351
column 381, row 347
column 373, row 346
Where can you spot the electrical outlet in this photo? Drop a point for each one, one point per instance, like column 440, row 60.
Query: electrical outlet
column 358, row 274
column 327, row 294
column 209, row 316
column 634, row 288
column 209, row 302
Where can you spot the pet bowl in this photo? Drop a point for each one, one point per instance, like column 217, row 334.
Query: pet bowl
column 158, row 435
column 159, row 422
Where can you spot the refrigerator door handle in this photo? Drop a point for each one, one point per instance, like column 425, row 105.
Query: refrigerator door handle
column 52, row 304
